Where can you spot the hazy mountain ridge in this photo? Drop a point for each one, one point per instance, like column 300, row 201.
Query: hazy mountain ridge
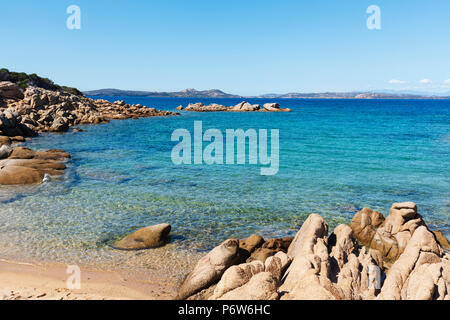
column 187, row 93
column 216, row 93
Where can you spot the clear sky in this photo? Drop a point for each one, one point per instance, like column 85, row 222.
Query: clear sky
column 245, row 47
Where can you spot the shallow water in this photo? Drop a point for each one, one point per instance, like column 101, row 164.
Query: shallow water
column 336, row 156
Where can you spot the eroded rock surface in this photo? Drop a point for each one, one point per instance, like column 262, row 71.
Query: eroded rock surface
column 25, row 166
column 421, row 272
column 210, row 268
column 322, row 266
column 41, row 110
column 387, row 238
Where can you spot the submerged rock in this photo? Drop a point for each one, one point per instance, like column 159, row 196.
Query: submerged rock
column 145, row 238
column 12, row 175
column 25, row 166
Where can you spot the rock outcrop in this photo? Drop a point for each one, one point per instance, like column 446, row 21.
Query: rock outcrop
column 10, row 90
column 387, row 238
column 262, row 286
column 210, row 268
column 11, row 124
column 240, row 107
column 245, row 106
column 200, row 107
column 270, row 248
column 41, row 110
column 145, row 238
column 24, row 166
column 274, row 107
column 321, row 266
column 236, row 276
column 421, row 273
column 49, row 108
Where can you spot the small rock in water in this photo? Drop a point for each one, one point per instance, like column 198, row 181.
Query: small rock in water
column 145, row 238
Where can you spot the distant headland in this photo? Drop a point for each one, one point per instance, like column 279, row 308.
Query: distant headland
column 216, row 93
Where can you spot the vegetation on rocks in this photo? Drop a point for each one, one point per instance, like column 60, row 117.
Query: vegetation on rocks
column 24, row 80
column 30, row 104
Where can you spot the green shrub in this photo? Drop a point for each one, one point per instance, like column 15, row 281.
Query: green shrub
column 24, row 80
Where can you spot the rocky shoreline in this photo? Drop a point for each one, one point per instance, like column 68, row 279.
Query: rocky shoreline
column 240, row 107
column 392, row 258
column 25, row 113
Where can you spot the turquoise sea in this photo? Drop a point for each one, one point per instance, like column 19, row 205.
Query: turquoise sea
column 336, row 157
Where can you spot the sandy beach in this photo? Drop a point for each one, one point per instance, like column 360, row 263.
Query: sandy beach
column 47, row 281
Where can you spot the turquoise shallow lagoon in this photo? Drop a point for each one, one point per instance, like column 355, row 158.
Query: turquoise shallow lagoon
column 336, row 157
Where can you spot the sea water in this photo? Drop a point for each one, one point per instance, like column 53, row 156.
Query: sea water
column 335, row 157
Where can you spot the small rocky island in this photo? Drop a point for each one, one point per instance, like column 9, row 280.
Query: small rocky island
column 392, row 258
column 240, row 107
column 30, row 104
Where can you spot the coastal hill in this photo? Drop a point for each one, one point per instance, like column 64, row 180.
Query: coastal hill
column 187, row 93
column 24, row 80
column 215, row 93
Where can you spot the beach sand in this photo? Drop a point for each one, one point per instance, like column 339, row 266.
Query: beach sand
column 47, row 281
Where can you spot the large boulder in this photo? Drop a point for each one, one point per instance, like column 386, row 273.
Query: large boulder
column 251, row 243
column 313, row 228
column 245, row 106
column 274, row 107
column 326, row 268
column 441, row 239
column 387, row 239
column 60, row 125
column 27, row 153
column 310, row 263
column 145, row 238
column 200, row 107
column 46, row 166
column 364, row 225
column 248, row 245
column 262, row 286
column 4, row 140
column 11, row 124
column 5, row 151
column 271, row 106
column 18, row 175
column 270, row 248
column 236, row 276
column 10, row 90
column 210, row 268
column 421, row 272
column 277, row 264
column 24, row 166
column 319, row 266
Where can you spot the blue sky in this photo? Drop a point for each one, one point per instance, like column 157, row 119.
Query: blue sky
column 243, row 47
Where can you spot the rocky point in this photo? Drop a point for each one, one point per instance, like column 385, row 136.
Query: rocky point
column 25, row 113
